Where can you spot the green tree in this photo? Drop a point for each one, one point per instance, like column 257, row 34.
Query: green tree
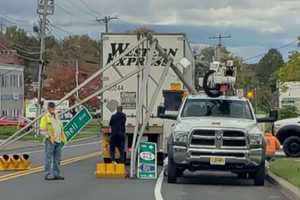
column 288, row 112
column 291, row 70
column 267, row 67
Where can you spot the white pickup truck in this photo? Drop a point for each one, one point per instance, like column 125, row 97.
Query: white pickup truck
column 288, row 133
column 216, row 134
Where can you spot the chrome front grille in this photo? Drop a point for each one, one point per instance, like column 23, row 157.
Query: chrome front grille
column 218, row 138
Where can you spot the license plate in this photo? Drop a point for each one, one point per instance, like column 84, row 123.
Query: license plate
column 217, row 160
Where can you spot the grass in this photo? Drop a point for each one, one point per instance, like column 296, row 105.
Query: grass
column 288, row 169
column 92, row 129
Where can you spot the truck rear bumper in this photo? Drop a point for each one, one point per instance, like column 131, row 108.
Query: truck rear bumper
column 237, row 157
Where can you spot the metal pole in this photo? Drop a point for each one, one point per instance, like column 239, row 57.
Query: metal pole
column 140, row 103
column 164, row 55
column 150, row 108
column 106, row 24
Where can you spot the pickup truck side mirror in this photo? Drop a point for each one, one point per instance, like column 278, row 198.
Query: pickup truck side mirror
column 161, row 113
column 273, row 116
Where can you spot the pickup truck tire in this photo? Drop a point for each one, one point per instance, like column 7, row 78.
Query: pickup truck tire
column 291, row 146
column 172, row 171
column 260, row 174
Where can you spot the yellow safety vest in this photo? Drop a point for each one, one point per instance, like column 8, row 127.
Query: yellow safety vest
column 46, row 125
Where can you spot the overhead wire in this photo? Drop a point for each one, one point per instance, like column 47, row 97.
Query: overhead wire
column 83, row 9
column 262, row 54
column 89, row 8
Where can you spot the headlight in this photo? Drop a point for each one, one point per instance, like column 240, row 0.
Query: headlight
column 180, row 137
column 255, row 139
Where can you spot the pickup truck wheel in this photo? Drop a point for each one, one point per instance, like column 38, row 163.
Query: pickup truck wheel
column 291, row 146
column 259, row 177
column 172, row 171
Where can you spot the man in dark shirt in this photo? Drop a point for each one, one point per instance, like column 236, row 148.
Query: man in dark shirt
column 117, row 137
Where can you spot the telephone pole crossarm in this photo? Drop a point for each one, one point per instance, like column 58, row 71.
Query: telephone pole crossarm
column 106, row 20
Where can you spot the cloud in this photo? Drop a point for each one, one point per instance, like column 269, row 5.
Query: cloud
column 255, row 25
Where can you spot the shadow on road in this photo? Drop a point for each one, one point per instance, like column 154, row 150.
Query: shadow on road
column 213, row 178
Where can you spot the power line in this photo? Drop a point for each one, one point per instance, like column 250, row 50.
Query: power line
column 27, row 52
column 81, row 9
column 60, row 28
column 65, row 10
column 220, row 37
column 262, row 54
column 28, row 58
column 88, row 7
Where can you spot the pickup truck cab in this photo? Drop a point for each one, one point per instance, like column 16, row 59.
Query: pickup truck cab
column 216, row 134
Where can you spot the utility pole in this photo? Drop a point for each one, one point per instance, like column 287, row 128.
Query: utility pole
column 106, row 20
column 44, row 8
column 1, row 25
column 77, row 78
column 218, row 53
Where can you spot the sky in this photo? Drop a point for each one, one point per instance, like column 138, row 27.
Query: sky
column 255, row 25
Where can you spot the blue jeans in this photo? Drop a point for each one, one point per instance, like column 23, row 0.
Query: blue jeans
column 52, row 158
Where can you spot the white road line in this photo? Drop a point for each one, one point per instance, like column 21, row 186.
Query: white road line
column 66, row 147
column 158, row 186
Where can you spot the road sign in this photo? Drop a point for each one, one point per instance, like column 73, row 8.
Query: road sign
column 147, row 161
column 78, row 122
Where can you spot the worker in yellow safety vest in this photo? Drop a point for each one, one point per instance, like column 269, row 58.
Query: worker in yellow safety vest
column 52, row 129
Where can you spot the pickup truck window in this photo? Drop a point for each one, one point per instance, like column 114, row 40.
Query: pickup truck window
column 216, row 108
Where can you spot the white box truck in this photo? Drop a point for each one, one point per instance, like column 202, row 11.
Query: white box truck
column 126, row 93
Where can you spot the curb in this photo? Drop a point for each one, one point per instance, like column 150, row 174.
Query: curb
column 289, row 190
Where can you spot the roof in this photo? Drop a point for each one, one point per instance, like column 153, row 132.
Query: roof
column 203, row 96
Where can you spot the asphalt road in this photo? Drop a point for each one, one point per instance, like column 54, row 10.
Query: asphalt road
column 81, row 183
column 219, row 186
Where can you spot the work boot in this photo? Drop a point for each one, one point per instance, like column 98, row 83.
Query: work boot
column 114, row 162
column 48, row 178
column 59, row 178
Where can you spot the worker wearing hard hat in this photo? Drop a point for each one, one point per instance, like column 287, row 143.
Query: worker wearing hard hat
column 272, row 145
column 117, row 137
column 52, row 129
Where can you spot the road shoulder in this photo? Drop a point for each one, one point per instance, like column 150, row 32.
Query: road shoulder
column 291, row 191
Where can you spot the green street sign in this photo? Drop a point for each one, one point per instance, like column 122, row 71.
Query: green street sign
column 147, row 161
column 78, row 122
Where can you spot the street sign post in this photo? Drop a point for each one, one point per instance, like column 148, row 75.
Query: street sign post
column 147, row 161
column 78, row 122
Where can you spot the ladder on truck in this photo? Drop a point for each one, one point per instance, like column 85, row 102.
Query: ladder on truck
column 146, row 69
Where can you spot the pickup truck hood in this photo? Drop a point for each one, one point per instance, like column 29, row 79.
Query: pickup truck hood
column 186, row 124
column 288, row 121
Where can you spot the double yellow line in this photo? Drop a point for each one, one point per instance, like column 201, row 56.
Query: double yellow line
column 41, row 168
